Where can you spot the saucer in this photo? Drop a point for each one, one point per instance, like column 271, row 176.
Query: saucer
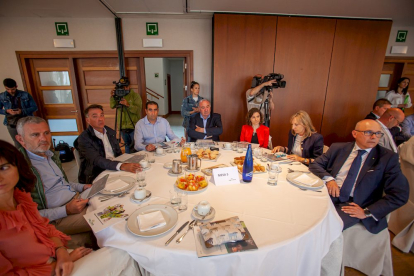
column 139, row 201
column 223, row 148
column 208, row 217
column 188, row 170
column 174, row 174
column 162, row 154
column 168, row 165
column 147, row 168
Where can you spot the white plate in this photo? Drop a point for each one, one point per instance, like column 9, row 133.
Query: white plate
column 223, row 148
column 240, row 172
column 168, row 165
column 170, row 215
column 162, row 154
column 290, row 177
column 208, row 217
column 191, row 192
column 174, row 174
column 212, row 160
column 127, row 179
column 139, row 201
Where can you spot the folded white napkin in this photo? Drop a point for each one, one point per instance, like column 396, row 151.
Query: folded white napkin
column 116, row 185
column 151, row 221
column 306, row 180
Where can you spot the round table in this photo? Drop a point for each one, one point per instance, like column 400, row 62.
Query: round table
column 292, row 228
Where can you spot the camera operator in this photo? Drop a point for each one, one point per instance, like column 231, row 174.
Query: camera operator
column 131, row 105
column 259, row 100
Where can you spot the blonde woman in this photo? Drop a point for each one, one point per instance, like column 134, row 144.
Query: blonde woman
column 304, row 144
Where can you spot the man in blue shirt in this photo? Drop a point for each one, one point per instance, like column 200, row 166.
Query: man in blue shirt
column 15, row 104
column 152, row 130
column 56, row 197
column 408, row 127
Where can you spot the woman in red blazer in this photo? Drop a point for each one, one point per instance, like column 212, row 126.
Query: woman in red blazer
column 254, row 131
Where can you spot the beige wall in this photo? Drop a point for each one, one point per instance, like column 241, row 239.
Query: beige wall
column 37, row 34
column 409, row 41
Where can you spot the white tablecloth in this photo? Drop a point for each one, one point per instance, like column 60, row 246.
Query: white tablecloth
column 292, row 228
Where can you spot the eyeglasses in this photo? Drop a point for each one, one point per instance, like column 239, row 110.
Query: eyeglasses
column 379, row 134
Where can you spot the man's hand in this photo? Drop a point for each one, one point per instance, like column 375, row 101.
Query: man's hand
column 354, row 211
column 75, row 206
column 333, row 188
column 124, row 102
column 195, row 110
column 199, row 129
column 12, row 112
column 64, row 264
column 130, row 167
column 86, row 186
column 182, row 141
column 150, row 147
column 268, row 83
column 278, row 149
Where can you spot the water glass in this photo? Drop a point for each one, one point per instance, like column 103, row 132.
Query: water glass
column 151, row 158
column 183, row 201
column 273, row 177
column 140, row 175
column 234, row 145
column 175, row 199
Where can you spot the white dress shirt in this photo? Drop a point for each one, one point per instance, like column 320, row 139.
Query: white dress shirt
column 390, row 138
column 297, row 147
column 109, row 152
column 343, row 172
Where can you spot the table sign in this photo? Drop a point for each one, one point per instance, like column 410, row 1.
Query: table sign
column 225, row 176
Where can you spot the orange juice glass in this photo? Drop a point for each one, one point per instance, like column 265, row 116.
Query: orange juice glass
column 186, row 150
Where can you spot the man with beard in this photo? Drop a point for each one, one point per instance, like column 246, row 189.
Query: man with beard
column 57, row 198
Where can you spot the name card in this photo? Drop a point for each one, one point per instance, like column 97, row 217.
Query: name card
column 226, row 176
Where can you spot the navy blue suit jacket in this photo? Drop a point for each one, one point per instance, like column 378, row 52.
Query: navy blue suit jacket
column 214, row 127
column 312, row 146
column 380, row 174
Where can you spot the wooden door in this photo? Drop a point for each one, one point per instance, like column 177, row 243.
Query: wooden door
column 57, row 97
column 357, row 60
column 96, row 77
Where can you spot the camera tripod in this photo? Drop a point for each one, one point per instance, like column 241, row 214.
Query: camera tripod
column 121, row 107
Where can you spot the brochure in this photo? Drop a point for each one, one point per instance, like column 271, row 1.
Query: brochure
column 107, row 216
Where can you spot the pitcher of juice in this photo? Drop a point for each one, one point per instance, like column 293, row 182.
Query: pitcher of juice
column 185, row 150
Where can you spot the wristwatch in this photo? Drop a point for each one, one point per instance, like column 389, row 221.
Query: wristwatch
column 367, row 213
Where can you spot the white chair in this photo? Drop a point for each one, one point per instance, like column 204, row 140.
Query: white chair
column 367, row 252
column 106, row 261
column 402, row 219
column 77, row 157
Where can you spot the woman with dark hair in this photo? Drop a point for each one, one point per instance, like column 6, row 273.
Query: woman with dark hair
column 189, row 108
column 304, row 143
column 255, row 132
column 399, row 97
column 29, row 245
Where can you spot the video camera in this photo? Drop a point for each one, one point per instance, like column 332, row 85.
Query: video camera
column 272, row 76
column 120, row 90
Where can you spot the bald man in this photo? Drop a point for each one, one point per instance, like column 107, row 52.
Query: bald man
column 391, row 118
column 364, row 180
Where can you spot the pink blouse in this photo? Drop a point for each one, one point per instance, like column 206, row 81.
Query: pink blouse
column 25, row 244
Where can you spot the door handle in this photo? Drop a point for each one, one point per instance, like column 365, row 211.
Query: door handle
column 74, row 111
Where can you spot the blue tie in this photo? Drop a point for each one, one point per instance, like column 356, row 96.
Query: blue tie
column 351, row 177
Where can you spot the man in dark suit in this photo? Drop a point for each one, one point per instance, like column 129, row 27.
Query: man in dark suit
column 98, row 146
column 358, row 174
column 207, row 125
column 378, row 109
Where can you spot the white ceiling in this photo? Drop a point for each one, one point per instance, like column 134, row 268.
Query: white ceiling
column 400, row 11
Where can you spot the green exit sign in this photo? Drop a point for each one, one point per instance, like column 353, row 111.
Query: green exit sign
column 401, row 36
column 62, row 28
column 152, row 28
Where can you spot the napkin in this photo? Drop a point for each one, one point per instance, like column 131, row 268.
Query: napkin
column 116, row 185
column 151, row 221
column 306, row 180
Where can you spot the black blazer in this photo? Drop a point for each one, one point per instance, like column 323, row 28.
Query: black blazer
column 214, row 127
column 380, row 174
column 92, row 154
column 312, row 146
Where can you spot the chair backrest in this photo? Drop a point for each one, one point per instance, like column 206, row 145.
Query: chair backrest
column 269, row 146
column 77, row 157
column 325, row 148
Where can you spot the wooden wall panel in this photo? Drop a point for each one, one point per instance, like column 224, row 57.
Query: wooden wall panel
column 243, row 47
column 303, row 55
column 357, row 60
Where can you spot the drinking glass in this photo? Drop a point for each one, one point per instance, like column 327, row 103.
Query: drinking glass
column 183, row 201
column 175, row 199
column 151, row 158
column 140, row 175
column 273, row 177
column 234, row 145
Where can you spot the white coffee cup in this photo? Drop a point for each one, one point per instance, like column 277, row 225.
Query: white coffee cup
column 203, row 207
column 192, row 145
column 227, row 145
column 140, row 193
column 159, row 150
column 143, row 163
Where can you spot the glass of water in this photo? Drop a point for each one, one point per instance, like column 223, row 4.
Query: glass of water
column 140, row 176
column 273, row 177
column 183, row 201
column 175, row 198
column 151, row 158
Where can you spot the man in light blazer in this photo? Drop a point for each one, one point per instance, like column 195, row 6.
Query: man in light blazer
column 207, row 125
column 364, row 180
column 391, row 118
